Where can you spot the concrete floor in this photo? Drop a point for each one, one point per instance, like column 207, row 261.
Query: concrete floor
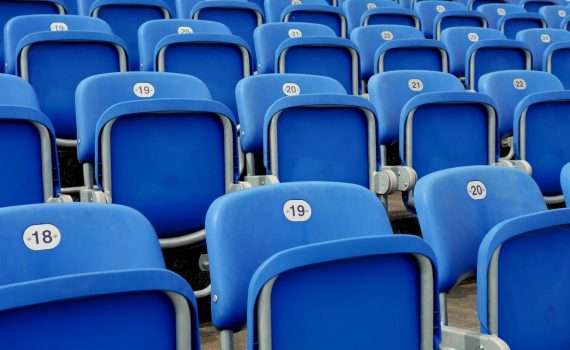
column 461, row 303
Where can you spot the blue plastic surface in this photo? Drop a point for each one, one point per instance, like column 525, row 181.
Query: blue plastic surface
column 558, row 55
column 513, row 23
column 455, row 238
column 535, row 5
column 354, row 9
column 554, row 14
column 457, row 18
column 253, row 221
column 565, row 181
column 428, row 10
column 539, row 39
column 390, row 15
column 274, row 9
column 495, row 11
column 403, row 55
column 324, row 14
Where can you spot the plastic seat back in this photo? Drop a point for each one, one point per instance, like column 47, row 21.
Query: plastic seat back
column 457, row 18
column 274, row 8
column 54, row 53
column 539, row 39
column 534, row 6
column 321, row 13
column 495, row 11
column 554, row 14
column 266, row 220
column 515, row 22
column 428, row 10
column 479, row 198
column 354, row 9
column 508, row 88
column 391, row 15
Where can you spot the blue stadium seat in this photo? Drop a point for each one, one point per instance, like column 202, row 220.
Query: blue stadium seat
column 513, row 23
column 242, row 17
column 495, row 11
column 555, row 61
column 521, row 263
column 204, row 49
column 54, row 53
column 389, row 15
column 27, row 141
column 125, row 18
column 554, row 14
column 307, row 48
column 474, row 4
column 539, row 39
column 165, row 128
column 535, row 5
column 457, row 18
column 477, row 51
column 395, row 47
column 429, row 9
column 91, row 277
column 265, row 232
column 355, row 9
column 256, row 94
column 13, row 8
column 312, row 11
column 440, row 125
column 565, row 182
column 564, row 24
column 508, row 88
column 479, row 197
column 539, row 138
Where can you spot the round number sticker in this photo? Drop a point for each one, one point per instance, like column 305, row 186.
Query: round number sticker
column 295, row 33
column 387, row 35
column 143, row 90
column 371, row 5
column 291, row 89
column 473, row 37
column 519, row 84
column 185, row 30
column 562, row 13
column 476, row 190
column 297, row 210
column 415, row 85
column 545, row 38
column 58, row 27
column 42, row 237
column 501, row 11
column 440, row 8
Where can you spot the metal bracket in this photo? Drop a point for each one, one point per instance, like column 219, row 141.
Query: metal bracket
column 62, row 198
column 519, row 164
column 204, row 263
column 93, row 196
column 394, row 178
column 254, row 181
column 461, row 339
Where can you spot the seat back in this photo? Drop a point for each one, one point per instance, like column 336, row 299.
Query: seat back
column 274, row 8
column 269, row 37
column 513, row 23
column 391, row 15
column 399, row 274
column 495, row 11
column 517, row 259
column 369, row 39
column 508, row 88
column 539, row 39
column 190, row 54
column 44, row 246
column 390, row 91
column 555, row 58
column 354, row 9
column 565, row 181
column 457, row 18
column 10, row 9
column 479, row 198
column 458, row 40
column 534, row 6
column 54, row 53
column 284, row 216
column 143, row 110
column 256, row 94
column 324, row 14
column 32, row 175
column 554, row 14
column 125, row 18
column 428, row 10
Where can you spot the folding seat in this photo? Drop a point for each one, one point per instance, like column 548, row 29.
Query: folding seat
column 556, row 58
column 311, row 129
column 440, row 125
column 13, row 8
column 92, row 277
column 457, row 18
column 309, row 11
column 27, row 141
column 54, row 53
column 554, row 14
column 165, row 128
column 392, row 47
column 477, row 51
column 540, row 129
column 305, row 252
column 511, row 18
column 508, row 88
column 456, row 209
column 429, row 9
column 241, row 17
column 538, row 40
column 125, row 18
column 204, row 49
column 354, row 11
column 535, row 5
column 307, row 48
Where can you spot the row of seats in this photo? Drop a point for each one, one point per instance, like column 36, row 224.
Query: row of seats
column 302, row 252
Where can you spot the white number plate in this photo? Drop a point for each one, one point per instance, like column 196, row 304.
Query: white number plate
column 143, row 90
column 297, row 210
column 42, row 237
column 476, row 190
